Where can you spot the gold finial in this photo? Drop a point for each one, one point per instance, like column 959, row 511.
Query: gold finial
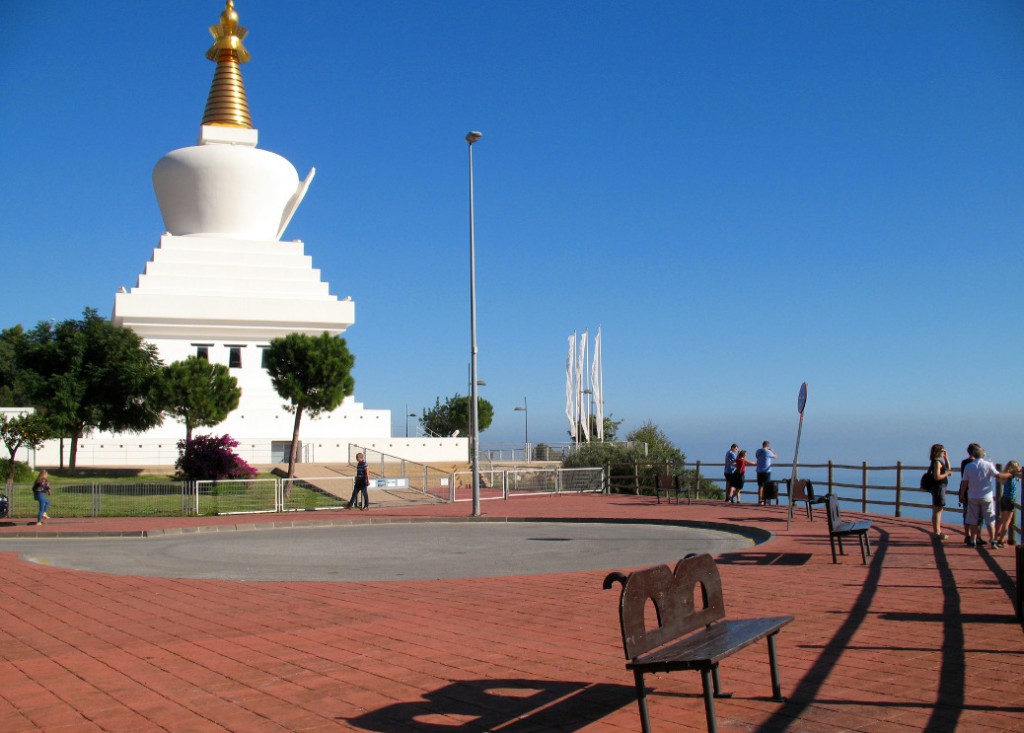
column 226, row 103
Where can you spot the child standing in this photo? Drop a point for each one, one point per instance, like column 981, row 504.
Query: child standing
column 1010, row 492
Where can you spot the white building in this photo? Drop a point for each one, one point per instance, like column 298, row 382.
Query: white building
column 221, row 284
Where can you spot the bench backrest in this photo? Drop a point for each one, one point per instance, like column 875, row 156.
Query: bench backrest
column 799, row 491
column 834, row 520
column 672, row 593
column 664, row 481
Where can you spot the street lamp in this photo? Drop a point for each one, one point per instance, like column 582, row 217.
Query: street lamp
column 526, row 426
column 407, row 416
column 471, row 138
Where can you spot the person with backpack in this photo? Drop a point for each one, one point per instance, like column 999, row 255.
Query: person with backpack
column 936, row 480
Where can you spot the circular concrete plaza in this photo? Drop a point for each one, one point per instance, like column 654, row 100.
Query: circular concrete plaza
column 403, row 551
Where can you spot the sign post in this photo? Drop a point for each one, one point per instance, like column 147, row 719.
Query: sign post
column 801, row 402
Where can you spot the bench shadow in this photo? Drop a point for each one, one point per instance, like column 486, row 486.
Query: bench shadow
column 509, row 705
column 765, row 558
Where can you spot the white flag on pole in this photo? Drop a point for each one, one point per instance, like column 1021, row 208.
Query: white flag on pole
column 597, row 385
column 581, row 379
column 570, row 386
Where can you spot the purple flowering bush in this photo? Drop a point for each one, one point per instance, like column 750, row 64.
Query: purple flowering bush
column 210, row 457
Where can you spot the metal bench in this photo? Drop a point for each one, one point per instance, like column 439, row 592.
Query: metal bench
column 838, row 529
column 669, row 486
column 687, row 636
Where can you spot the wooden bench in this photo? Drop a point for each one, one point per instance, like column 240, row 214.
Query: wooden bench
column 838, row 529
column 687, row 636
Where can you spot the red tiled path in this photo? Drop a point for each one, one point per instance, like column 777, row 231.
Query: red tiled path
column 923, row 638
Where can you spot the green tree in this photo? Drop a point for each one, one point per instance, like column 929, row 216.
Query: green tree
column 659, row 448
column 197, row 392
column 29, row 431
column 611, row 428
column 15, row 381
column 444, row 419
column 89, row 373
column 313, row 373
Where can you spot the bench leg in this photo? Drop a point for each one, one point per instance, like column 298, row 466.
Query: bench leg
column 709, row 700
column 865, row 548
column 718, row 683
column 774, row 663
column 832, row 544
column 641, row 701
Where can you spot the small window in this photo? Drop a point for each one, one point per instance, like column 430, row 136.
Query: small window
column 203, row 352
column 265, row 350
column 235, row 357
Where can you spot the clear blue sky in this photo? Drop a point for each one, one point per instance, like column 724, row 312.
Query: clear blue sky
column 743, row 195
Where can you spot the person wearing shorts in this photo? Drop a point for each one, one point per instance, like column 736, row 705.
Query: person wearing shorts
column 1006, row 504
column 978, row 475
column 730, row 471
column 764, row 455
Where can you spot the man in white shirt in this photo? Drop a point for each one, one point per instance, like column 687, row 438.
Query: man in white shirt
column 981, row 495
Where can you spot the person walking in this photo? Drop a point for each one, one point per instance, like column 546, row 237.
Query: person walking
column 1010, row 490
column 764, row 455
column 41, row 493
column 359, row 485
column 940, row 473
column 978, row 475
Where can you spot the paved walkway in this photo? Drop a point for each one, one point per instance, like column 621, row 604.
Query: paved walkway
column 922, row 638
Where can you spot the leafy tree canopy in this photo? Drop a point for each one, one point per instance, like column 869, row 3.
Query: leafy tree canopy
column 444, row 419
column 89, row 373
column 197, row 392
column 659, row 449
column 27, row 431
column 15, row 380
column 312, row 374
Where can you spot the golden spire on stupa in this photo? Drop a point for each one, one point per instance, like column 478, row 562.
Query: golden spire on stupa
column 226, row 103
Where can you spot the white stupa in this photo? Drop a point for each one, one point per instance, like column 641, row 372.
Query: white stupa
column 222, row 284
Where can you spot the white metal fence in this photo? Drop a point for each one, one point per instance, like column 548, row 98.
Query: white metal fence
column 247, row 496
column 512, row 482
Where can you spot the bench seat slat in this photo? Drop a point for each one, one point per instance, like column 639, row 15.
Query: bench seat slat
column 852, row 527
column 706, row 648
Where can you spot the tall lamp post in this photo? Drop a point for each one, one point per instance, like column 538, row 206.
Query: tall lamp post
column 526, row 427
column 471, row 138
column 407, row 416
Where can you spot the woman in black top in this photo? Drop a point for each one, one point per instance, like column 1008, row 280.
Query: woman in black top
column 940, row 470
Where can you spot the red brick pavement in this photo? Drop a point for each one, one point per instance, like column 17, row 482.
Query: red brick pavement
column 922, row 638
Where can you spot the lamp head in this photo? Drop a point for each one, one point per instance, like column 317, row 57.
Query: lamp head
column 472, row 137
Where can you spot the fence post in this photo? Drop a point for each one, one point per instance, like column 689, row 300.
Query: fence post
column 696, row 480
column 899, row 487
column 830, row 478
column 864, row 487
column 636, row 478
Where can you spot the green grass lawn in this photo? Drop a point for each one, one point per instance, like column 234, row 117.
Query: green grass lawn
column 158, row 496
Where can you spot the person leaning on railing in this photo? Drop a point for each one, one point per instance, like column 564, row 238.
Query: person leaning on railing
column 978, row 475
column 1006, row 503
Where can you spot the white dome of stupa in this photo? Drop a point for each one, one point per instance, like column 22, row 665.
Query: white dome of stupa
column 225, row 186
